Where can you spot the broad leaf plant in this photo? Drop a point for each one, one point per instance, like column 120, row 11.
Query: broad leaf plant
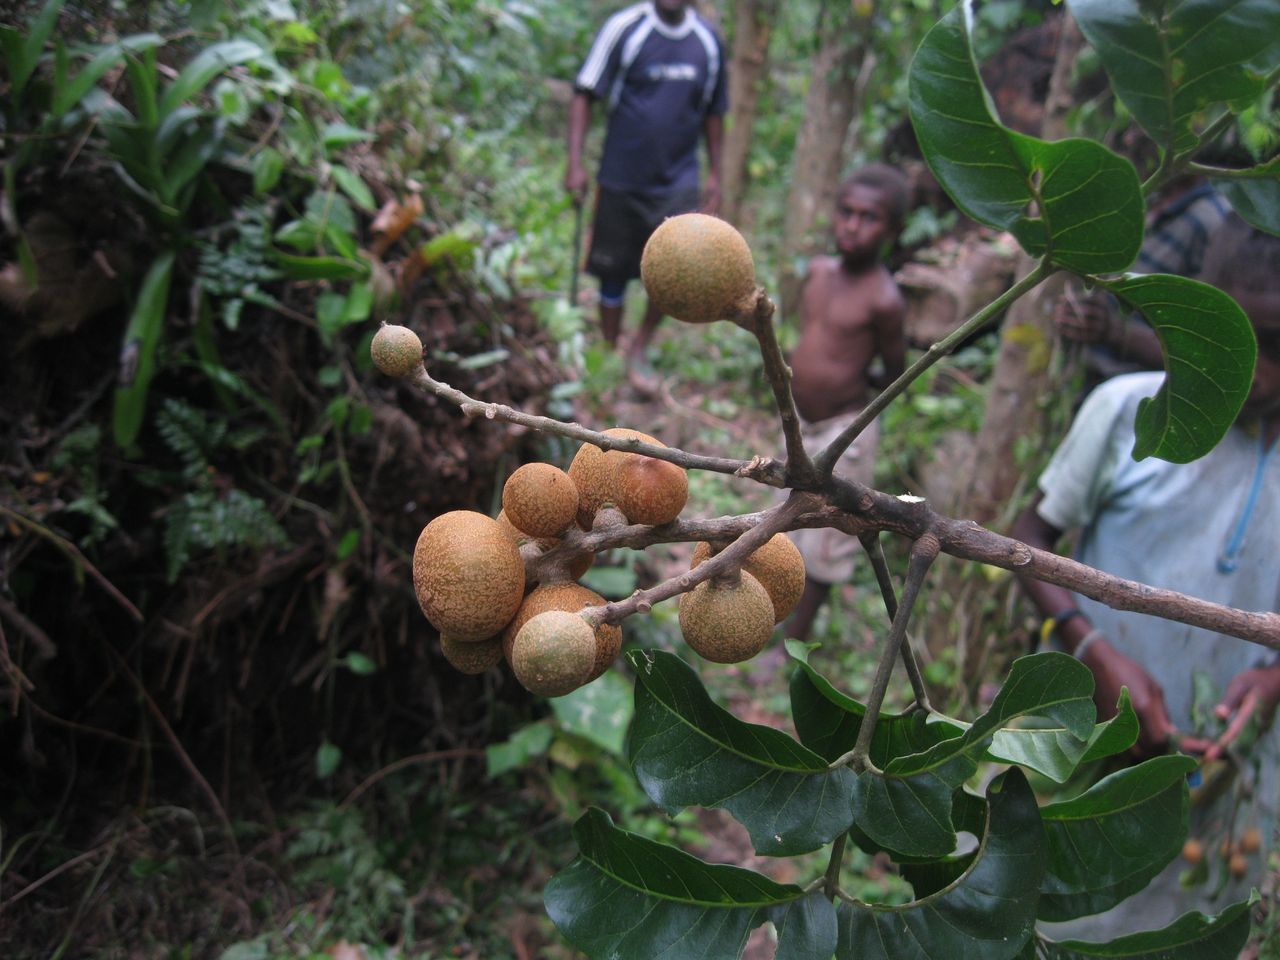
column 903, row 784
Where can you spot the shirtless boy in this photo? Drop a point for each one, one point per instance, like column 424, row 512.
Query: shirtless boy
column 851, row 313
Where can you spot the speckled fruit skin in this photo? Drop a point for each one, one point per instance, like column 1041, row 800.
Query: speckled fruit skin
column 553, row 653
column 650, row 491
column 396, row 351
column 727, row 623
column 471, row 658
column 571, row 598
column 580, row 565
column 592, row 471
column 777, row 564
column 698, row 268
column 468, row 575
column 540, row 499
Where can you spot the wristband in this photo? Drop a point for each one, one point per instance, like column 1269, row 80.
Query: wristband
column 1086, row 642
column 1053, row 623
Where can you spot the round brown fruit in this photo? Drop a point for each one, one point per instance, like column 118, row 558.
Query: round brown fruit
column 727, row 621
column 592, row 471
column 553, row 653
column 570, row 598
column 1251, row 840
column 395, row 350
column 540, row 499
column 1238, row 865
column 650, row 491
column 779, row 567
column 468, row 575
column 474, row 657
column 698, row 268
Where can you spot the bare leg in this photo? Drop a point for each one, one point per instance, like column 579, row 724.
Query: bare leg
column 611, row 323
column 801, row 622
column 644, row 336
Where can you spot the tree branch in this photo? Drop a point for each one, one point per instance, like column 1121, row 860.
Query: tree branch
column 871, row 546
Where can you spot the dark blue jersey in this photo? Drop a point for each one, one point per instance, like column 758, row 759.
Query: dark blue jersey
column 659, row 83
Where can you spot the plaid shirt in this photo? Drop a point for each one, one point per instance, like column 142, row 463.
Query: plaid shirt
column 1178, row 235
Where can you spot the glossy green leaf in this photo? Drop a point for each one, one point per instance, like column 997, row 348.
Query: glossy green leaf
column 601, row 711
column 1073, row 200
column 1257, row 201
column 1209, row 351
column 1170, row 59
column 138, row 351
column 1193, row 936
column 928, row 876
column 1115, row 735
column 1051, row 685
column 343, row 134
column 206, row 65
column 686, row 750
column 1107, row 844
column 828, row 721
column 628, row 898
column 909, row 816
column 987, row 913
column 350, row 183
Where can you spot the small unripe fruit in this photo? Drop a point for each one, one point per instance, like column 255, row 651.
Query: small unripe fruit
column 1193, row 851
column 471, row 657
column 540, row 499
column 468, row 575
column 727, row 622
column 698, row 268
column 1251, row 840
column 779, row 567
column 554, row 653
column 1238, row 865
column 395, row 350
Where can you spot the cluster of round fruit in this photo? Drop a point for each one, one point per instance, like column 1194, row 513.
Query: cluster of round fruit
column 468, row 570
column 1234, row 852
column 473, row 585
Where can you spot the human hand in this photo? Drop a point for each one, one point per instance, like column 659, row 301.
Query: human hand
column 711, row 196
column 1112, row 670
column 1253, row 693
column 575, row 181
column 1085, row 319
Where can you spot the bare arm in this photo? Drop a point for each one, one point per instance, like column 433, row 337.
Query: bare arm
column 891, row 340
column 575, row 178
column 1111, row 669
column 713, row 128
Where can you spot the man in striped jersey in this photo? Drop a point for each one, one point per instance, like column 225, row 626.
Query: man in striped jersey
column 659, row 70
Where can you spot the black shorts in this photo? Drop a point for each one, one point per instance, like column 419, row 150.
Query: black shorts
column 623, row 222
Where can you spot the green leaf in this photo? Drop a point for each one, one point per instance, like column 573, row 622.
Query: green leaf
column 23, row 55
column 988, row 913
column 319, row 268
column 71, row 90
column 687, row 750
column 1168, row 61
column 206, row 65
column 909, row 817
column 1107, row 844
column 268, row 166
column 828, row 721
column 1209, row 351
column 1073, row 201
column 628, row 898
column 1051, row 684
column 350, row 183
column 1193, row 936
column 342, row 134
column 138, row 351
column 328, row 756
column 523, row 745
column 1257, row 201
column 1115, row 735
column 359, row 664
column 601, row 711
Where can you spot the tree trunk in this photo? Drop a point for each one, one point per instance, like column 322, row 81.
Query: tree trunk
column 830, row 106
column 752, row 28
